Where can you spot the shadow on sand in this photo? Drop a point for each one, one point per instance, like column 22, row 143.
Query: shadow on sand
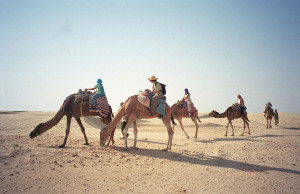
column 202, row 159
column 250, row 138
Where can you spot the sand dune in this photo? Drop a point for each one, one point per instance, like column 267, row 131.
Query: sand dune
column 267, row 161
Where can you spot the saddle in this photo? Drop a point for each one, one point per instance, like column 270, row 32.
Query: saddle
column 269, row 111
column 82, row 96
column 85, row 98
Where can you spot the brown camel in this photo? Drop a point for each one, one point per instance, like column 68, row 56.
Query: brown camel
column 135, row 110
column 179, row 112
column 71, row 109
column 269, row 115
column 231, row 114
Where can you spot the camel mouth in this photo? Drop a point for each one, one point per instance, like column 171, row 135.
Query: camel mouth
column 102, row 144
column 32, row 135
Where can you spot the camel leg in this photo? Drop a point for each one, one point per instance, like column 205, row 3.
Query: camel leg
column 82, row 130
column 135, row 132
column 69, row 117
column 197, row 126
column 270, row 122
column 170, row 133
column 232, row 128
column 267, row 123
column 227, row 128
column 167, row 122
column 248, row 127
column 244, row 128
column 111, row 138
column 181, row 126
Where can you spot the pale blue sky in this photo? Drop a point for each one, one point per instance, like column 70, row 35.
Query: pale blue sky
column 216, row 48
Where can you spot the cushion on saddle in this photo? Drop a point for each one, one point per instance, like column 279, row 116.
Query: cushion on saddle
column 102, row 105
column 186, row 107
column 143, row 99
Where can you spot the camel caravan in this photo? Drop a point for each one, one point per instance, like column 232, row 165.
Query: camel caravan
column 146, row 105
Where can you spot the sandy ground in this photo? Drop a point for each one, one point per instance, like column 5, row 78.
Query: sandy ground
column 267, row 161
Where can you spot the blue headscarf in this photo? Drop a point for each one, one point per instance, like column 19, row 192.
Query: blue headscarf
column 186, row 91
column 99, row 81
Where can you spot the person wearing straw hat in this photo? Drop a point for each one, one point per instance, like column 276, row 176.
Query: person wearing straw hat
column 156, row 88
column 158, row 91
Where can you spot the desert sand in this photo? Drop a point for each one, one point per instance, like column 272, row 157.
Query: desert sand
column 267, row 161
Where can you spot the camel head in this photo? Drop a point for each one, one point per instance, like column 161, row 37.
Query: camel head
column 103, row 137
column 213, row 113
column 36, row 131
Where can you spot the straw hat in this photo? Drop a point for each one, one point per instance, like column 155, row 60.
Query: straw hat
column 152, row 78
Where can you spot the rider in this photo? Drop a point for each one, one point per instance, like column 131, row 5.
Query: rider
column 241, row 103
column 156, row 88
column 187, row 98
column 156, row 91
column 268, row 105
column 99, row 93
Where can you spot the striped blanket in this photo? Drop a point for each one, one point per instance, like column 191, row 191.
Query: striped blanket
column 102, row 105
column 186, row 107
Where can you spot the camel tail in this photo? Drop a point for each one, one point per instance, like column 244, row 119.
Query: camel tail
column 172, row 118
column 198, row 119
column 43, row 127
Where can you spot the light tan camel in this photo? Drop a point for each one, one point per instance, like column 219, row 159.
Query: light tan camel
column 269, row 115
column 70, row 109
column 135, row 110
column 232, row 114
column 179, row 112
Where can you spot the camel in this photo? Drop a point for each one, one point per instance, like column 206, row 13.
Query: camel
column 135, row 110
column 71, row 109
column 178, row 112
column 268, row 115
column 231, row 113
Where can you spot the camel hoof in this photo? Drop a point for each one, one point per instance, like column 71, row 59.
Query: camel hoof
column 165, row 150
column 232, row 135
column 249, row 133
column 195, row 136
column 225, row 135
column 242, row 134
column 86, row 144
column 61, row 146
column 188, row 137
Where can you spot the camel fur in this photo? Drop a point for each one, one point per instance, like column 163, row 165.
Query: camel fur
column 268, row 115
column 178, row 112
column 135, row 110
column 232, row 114
column 70, row 109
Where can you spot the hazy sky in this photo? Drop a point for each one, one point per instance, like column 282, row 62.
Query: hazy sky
column 217, row 49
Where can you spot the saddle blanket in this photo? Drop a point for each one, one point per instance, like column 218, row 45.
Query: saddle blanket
column 143, row 99
column 186, row 107
column 102, row 105
column 158, row 103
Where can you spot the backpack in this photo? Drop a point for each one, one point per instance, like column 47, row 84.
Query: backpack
column 163, row 88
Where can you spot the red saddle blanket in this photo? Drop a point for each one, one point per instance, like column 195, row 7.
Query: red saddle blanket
column 102, row 105
column 186, row 108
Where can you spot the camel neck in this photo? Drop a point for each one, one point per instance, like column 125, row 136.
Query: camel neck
column 222, row 115
column 112, row 125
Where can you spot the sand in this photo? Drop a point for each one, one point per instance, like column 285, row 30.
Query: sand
column 267, row 161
